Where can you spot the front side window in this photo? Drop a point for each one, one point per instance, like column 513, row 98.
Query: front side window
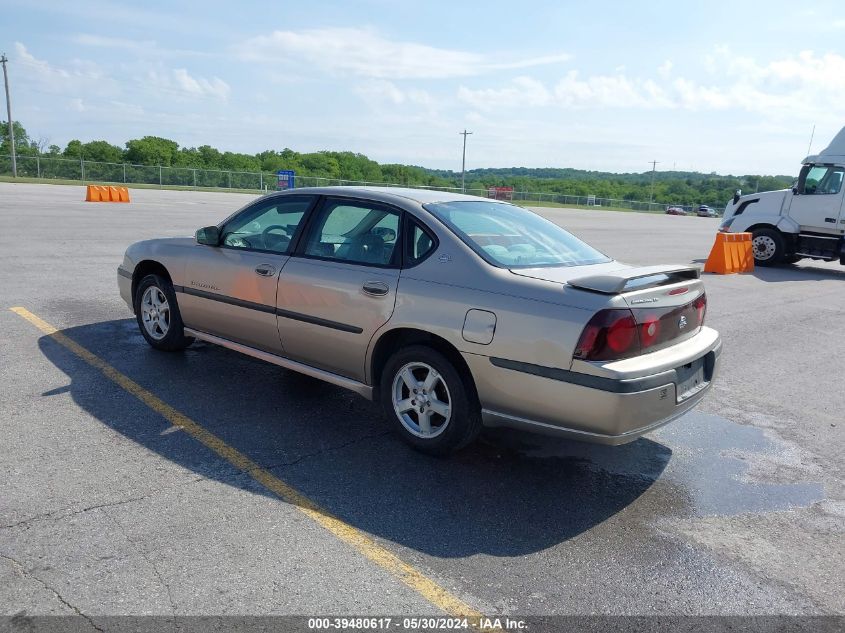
column 355, row 232
column 821, row 179
column 268, row 226
column 512, row 237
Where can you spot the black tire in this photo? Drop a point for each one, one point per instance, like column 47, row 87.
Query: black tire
column 768, row 246
column 173, row 338
column 464, row 422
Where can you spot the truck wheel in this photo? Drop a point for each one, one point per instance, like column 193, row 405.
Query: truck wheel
column 429, row 403
column 769, row 247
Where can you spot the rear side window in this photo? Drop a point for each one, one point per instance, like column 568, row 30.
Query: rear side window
column 420, row 242
column 354, row 232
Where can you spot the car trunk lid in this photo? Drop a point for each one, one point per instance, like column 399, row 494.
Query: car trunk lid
column 665, row 305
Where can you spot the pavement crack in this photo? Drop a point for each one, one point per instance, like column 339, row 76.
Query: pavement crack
column 62, row 513
column 21, row 571
column 327, row 449
column 144, row 554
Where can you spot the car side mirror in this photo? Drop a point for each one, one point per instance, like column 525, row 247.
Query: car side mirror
column 795, row 191
column 210, row 236
column 737, row 195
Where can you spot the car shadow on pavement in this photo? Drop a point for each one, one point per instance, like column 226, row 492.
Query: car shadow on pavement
column 510, row 494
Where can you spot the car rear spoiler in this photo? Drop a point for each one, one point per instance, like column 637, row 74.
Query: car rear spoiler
column 636, row 278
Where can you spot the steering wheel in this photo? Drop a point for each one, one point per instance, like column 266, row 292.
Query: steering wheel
column 273, row 241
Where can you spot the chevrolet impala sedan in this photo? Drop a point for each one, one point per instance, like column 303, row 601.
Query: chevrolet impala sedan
column 454, row 312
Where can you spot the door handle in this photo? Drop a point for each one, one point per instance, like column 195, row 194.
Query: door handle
column 377, row 288
column 265, row 270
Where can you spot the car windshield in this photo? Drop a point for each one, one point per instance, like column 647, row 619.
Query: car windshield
column 512, row 237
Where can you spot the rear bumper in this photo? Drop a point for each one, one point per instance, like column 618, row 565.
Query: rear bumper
column 585, row 407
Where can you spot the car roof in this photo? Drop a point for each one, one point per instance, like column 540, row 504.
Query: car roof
column 421, row 196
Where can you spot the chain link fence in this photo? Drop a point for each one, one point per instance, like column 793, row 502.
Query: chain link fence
column 86, row 171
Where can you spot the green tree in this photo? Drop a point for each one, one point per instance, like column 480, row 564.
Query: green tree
column 23, row 144
column 102, row 151
column 320, row 164
column 73, row 149
column 152, row 150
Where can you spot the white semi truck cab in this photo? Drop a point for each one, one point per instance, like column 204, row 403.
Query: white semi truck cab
column 807, row 221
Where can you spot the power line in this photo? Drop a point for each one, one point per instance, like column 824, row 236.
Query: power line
column 3, row 60
column 464, row 160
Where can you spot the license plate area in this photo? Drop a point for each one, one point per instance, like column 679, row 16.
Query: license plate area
column 692, row 378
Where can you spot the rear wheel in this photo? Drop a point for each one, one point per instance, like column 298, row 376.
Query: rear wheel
column 158, row 314
column 429, row 403
column 768, row 246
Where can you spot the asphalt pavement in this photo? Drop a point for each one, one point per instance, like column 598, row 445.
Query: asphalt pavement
column 109, row 508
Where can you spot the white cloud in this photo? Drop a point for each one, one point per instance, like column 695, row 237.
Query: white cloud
column 74, row 78
column 804, row 86
column 523, row 91
column 571, row 92
column 386, row 99
column 77, row 104
column 531, row 62
column 74, row 70
column 178, row 80
column 101, row 41
column 609, row 91
column 381, row 90
column 140, row 48
column 366, row 53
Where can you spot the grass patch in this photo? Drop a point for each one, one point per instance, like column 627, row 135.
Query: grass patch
column 130, row 185
column 560, row 205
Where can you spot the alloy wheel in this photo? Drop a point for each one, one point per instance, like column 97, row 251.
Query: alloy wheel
column 155, row 313
column 421, row 400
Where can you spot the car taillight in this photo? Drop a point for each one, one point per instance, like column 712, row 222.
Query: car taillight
column 613, row 334
column 610, row 334
column 700, row 306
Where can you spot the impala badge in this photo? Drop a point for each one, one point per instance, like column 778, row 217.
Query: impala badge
column 682, row 323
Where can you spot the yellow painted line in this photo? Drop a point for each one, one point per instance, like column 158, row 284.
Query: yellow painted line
column 409, row 575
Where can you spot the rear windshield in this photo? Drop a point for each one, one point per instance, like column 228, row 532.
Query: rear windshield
column 512, row 237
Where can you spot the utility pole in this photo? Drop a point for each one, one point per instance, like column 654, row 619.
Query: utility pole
column 464, row 160
column 3, row 60
column 653, row 168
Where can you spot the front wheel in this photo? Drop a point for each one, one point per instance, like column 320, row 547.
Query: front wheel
column 768, row 246
column 158, row 314
column 430, row 404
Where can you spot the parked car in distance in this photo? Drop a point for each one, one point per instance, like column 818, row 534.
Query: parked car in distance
column 706, row 212
column 675, row 210
column 453, row 311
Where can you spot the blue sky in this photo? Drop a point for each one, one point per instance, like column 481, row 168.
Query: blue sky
column 730, row 87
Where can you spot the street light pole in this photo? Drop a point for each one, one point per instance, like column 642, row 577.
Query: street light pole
column 464, row 160
column 3, row 60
